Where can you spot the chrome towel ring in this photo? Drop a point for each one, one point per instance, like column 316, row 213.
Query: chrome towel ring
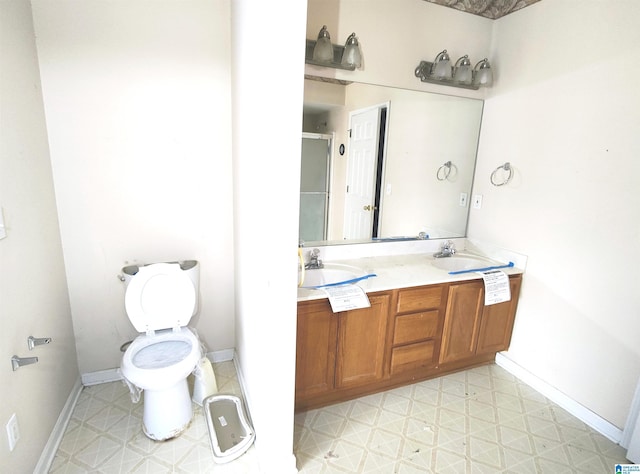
column 444, row 171
column 505, row 179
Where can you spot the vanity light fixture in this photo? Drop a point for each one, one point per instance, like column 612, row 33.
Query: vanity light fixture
column 323, row 53
column 483, row 75
column 323, row 50
column 441, row 69
column 461, row 74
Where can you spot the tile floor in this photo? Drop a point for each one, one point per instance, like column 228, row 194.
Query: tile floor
column 482, row 420
column 105, row 435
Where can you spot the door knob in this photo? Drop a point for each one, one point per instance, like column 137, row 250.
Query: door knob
column 367, row 207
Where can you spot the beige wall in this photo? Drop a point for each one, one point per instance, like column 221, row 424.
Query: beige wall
column 137, row 100
column 565, row 112
column 33, row 288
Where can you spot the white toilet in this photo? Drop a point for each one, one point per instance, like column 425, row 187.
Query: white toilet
column 160, row 300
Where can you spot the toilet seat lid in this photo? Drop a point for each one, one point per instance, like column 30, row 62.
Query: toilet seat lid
column 160, row 296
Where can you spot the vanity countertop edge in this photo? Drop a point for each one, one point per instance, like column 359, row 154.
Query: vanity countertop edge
column 400, row 271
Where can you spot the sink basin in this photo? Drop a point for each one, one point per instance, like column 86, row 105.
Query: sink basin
column 462, row 262
column 332, row 273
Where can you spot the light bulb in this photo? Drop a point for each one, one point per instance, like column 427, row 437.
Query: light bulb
column 323, row 50
column 483, row 74
column 463, row 73
column 351, row 55
column 441, row 68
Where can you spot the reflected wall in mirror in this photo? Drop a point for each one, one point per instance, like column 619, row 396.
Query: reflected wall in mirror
column 410, row 190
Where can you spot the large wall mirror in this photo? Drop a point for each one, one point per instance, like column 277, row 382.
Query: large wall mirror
column 382, row 163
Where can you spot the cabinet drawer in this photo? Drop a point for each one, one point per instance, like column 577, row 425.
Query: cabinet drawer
column 412, row 356
column 417, row 299
column 415, row 327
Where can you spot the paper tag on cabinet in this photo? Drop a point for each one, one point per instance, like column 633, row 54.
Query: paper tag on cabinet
column 346, row 297
column 496, row 287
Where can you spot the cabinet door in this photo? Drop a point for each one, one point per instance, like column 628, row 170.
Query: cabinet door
column 497, row 322
column 316, row 348
column 361, row 343
column 462, row 321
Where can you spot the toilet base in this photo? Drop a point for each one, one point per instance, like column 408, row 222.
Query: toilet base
column 168, row 412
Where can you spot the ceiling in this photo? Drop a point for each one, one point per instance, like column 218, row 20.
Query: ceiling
column 487, row 8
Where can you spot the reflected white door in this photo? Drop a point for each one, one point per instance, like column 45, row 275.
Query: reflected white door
column 361, row 173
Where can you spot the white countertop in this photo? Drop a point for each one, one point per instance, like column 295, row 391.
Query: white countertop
column 403, row 271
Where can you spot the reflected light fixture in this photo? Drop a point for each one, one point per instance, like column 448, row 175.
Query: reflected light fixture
column 323, row 53
column 323, row 50
column 461, row 74
column 351, row 55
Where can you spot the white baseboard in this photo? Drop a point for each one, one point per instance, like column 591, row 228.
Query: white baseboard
column 55, row 438
column 221, row 356
column 581, row 412
column 101, row 376
column 113, row 375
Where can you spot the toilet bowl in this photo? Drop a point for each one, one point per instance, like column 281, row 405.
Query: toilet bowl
column 160, row 300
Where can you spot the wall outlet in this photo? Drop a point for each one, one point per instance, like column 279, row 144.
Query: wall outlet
column 13, row 431
column 477, row 201
column 463, row 200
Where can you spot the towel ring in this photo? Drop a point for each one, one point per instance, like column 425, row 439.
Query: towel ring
column 505, row 167
column 444, row 171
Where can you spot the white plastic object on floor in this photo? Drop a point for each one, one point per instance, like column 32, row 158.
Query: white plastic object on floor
column 205, row 381
column 230, row 433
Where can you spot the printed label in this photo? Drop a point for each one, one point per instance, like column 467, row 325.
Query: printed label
column 623, row 468
column 344, row 298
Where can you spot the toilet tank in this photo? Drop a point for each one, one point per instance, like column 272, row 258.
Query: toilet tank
column 191, row 267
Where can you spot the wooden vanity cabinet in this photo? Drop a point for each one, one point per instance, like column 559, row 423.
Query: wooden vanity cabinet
column 472, row 329
column 406, row 335
column 340, row 351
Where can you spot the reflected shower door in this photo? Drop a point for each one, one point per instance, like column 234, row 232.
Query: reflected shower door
column 314, row 186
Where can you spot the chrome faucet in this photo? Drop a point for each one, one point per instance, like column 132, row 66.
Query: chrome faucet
column 447, row 250
column 37, row 341
column 314, row 262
